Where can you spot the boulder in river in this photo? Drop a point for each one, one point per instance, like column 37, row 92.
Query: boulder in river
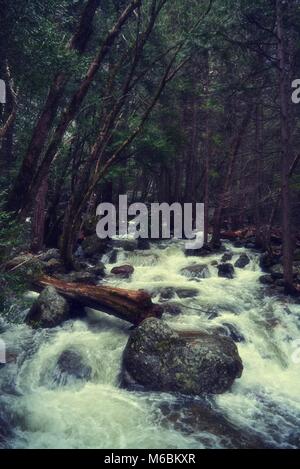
column 227, row 256
column 185, row 292
column 226, row 270
column 242, row 261
column 49, row 310
column 196, row 271
column 266, row 279
column 160, row 359
column 124, row 271
column 71, row 365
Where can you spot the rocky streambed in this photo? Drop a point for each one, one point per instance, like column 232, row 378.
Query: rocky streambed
column 218, row 371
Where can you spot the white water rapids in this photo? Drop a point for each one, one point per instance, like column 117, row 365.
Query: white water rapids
column 264, row 403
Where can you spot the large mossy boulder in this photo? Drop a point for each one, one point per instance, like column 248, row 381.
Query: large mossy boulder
column 159, row 359
column 49, row 310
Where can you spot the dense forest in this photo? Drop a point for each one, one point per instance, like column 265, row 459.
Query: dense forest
column 182, row 101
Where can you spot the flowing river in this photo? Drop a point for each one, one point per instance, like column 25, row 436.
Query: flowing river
column 262, row 408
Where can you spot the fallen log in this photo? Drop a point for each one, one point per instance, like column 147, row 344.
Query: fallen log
column 129, row 305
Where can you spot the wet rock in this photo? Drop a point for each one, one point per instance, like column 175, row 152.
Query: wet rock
column 49, row 310
column 214, row 263
column 166, row 293
column 203, row 252
column 71, row 365
column 227, row 257
column 159, row 359
column 173, row 309
column 199, row 416
column 186, row 292
column 242, row 261
column 143, row 244
column 196, row 271
column 226, row 271
column 124, row 271
column 267, row 260
column 233, row 332
column 93, row 246
column 266, row 279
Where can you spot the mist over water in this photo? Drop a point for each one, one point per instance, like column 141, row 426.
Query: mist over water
column 264, row 405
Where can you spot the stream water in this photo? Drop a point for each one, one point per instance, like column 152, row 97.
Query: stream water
column 263, row 407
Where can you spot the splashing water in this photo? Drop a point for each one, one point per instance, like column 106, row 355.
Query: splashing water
column 262, row 408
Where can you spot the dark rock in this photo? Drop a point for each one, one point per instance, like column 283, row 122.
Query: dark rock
column 214, row 263
column 203, row 252
column 166, row 293
column 242, row 261
column 227, row 257
column 266, row 279
column 49, row 310
column 198, row 416
column 186, row 292
column 226, row 270
column 159, row 359
column 267, row 261
column 71, row 364
column 143, row 244
column 124, row 271
column 196, row 271
column 233, row 333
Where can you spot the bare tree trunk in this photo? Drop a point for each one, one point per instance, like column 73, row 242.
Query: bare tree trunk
column 285, row 147
column 258, row 174
column 233, row 152
column 38, row 220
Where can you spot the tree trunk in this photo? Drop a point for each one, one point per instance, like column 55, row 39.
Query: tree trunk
column 285, row 147
column 39, row 216
column 129, row 305
column 46, row 118
column 224, row 196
